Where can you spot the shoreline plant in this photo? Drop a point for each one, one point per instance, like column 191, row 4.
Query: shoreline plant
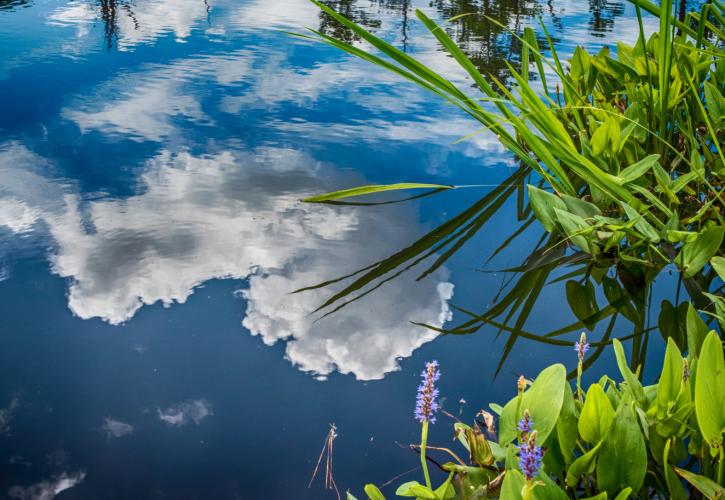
column 614, row 440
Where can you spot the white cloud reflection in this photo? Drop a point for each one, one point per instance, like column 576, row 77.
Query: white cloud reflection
column 186, row 412
column 115, row 428
column 49, row 489
column 236, row 214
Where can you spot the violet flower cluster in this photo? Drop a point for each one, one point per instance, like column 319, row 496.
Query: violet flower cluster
column 530, row 455
column 526, row 425
column 582, row 347
column 426, row 402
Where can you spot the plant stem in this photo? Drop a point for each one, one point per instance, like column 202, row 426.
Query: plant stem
column 423, row 463
column 579, row 393
column 528, row 490
column 721, row 468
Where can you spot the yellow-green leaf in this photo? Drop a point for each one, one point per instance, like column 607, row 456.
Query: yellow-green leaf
column 710, row 391
column 370, row 189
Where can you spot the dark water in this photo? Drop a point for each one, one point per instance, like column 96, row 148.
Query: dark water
column 152, row 155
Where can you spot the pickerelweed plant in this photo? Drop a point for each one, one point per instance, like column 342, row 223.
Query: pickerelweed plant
column 621, row 162
column 612, row 440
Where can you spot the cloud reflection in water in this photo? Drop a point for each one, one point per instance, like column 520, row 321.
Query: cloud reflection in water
column 236, row 214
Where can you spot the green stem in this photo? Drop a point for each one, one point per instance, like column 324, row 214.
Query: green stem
column 721, row 468
column 423, row 463
column 579, row 393
column 528, row 490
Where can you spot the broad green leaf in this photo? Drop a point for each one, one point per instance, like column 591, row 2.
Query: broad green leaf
column 370, row 189
column 623, row 458
column 624, row 494
column 543, row 400
column 513, row 484
column 583, row 465
column 573, row 226
column 547, row 489
column 672, row 322
column 596, row 416
column 696, row 331
column 601, row 496
column 715, row 103
column 718, row 264
column 543, row 204
column 582, row 301
column 633, row 383
column 579, row 207
column 606, row 137
column 373, row 492
column 641, row 224
column 668, row 388
column 710, row 391
column 637, row 170
column 566, row 426
column 709, row 488
column 445, row 490
column 695, row 254
column 415, row 489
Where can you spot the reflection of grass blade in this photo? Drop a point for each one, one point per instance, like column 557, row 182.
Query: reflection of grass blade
column 437, row 239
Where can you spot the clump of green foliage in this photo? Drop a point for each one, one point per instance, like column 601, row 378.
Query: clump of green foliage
column 612, row 440
column 621, row 163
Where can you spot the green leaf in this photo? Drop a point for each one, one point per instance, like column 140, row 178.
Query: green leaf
column 573, row 227
column 597, row 415
column 543, row 400
column 696, row 331
column 672, row 322
column 370, row 189
column 373, row 492
column 445, row 490
column 633, row 383
column 709, row 488
column 624, row 494
column 543, row 203
column 710, row 391
column 637, row 170
column 582, row 465
column 513, row 483
column 718, row 264
column 350, row 496
column 670, row 383
column 715, row 103
column 641, row 224
column 623, row 458
column 695, row 254
column 606, row 136
column 415, row 489
column 579, row 207
column 566, row 426
column 582, row 301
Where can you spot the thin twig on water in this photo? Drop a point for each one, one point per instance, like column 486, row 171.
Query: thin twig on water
column 326, row 452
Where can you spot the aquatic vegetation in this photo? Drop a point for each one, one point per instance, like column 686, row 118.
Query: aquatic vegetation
column 615, row 440
column 621, row 163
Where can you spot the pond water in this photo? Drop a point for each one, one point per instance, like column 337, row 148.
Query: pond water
column 152, row 158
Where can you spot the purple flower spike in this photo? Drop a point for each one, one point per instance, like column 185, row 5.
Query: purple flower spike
column 426, row 404
column 581, row 347
column 530, row 457
column 526, row 425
